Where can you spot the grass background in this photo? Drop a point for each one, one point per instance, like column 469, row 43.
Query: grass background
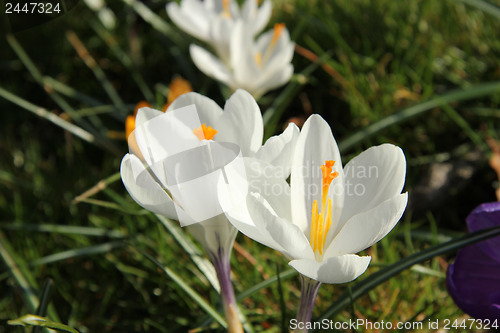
column 378, row 60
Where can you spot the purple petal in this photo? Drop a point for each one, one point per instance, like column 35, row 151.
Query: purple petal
column 486, row 216
column 474, row 283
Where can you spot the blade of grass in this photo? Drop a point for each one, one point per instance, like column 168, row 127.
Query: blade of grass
column 98, row 72
column 37, row 321
column 188, row 290
column 385, row 274
column 22, row 275
column 37, row 75
column 485, row 6
column 84, row 251
column 156, row 21
column 479, row 90
column 195, row 254
column 462, row 123
column 64, row 229
column 124, row 59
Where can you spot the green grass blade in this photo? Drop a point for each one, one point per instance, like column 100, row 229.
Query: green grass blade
column 264, row 284
column 23, row 276
column 64, row 229
column 458, row 95
column 37, row 321
column 84, row 251
column 56, row 120
column 41, row 112
column 196, row 255
column 124, row 59
column 385, row 274
column 189, row 291
column 485, row 6
column 97, row 71
column 156, row 21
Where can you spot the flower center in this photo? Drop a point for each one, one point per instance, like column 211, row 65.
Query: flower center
column 225, row 9
column 322, row 221
column 278, row 30
column 205, row 132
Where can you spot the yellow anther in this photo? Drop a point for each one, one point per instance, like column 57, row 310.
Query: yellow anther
column 278, row 29
column 258, row 59
column 205, row 132
column 226, row 12
column 322, row 221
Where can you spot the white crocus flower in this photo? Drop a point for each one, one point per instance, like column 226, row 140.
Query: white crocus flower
column 240, row 125
column 328, row 213
column 256, row 66
column 213, row 20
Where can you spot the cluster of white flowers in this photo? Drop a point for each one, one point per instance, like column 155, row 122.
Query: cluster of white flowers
column 241, row 59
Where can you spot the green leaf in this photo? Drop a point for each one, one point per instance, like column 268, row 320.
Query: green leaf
column 32, row 320
column 479, row 90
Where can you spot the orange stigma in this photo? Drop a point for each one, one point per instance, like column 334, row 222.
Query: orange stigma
column 204, row 133
column 278, row 30
column 322, row 221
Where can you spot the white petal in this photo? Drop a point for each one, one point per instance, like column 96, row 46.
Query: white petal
column 144, row 114
column 215, row 235
column 208, row 111
column 365, row 229
column 315, row 145
column 242, row 123
column 269, row 182
column 278, row 150
column 144, row 189
column 262, row 18
column 245, row 69
column 276, row 79
column 209, row 64
column 332, row 270
column 191, row 18
column 372, row 177
column 283, row 232
column 221, row 30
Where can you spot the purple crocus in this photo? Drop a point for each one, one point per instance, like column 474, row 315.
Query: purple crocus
column 474, row 278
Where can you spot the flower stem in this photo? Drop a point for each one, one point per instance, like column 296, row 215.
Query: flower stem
column 308, row 292
column 223, row 270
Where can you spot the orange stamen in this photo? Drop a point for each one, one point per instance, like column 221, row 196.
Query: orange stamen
column 278, row 29
column 225, row 8
column 204, row 133
column 322, row 221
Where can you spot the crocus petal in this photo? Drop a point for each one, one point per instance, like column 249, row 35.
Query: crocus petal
column 340, row 269
column 472, row 279
column 208, row 111
column 209, row 64
column 315, row 145
column 243, row 62
column 145, row 114
column 278, row 149
column 241, row 108
column 191, row 17
column 372, row 177
column 275, row 80
column 486, row 216
column 365, row 229
column 257, row 16
column 268, row 181
column 145, row 190
column 216, row 235
column 283, row 232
